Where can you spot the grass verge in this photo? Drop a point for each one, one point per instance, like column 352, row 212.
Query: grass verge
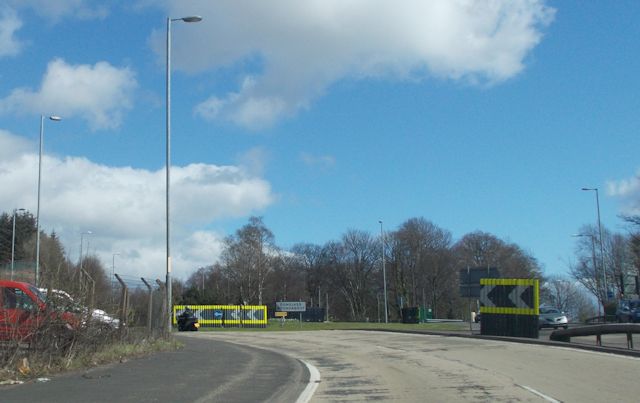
column 29, row 365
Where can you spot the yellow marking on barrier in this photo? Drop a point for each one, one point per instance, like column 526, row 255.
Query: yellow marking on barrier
column 508, row 311
column 508, row 281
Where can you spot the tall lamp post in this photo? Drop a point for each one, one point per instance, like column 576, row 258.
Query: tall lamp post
column 13, row 241
column 604, row 270
column 194, row 18
column 384, row 275
column 55, row 119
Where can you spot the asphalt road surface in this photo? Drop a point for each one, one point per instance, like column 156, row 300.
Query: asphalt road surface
column 364, row 365
column 205, row 370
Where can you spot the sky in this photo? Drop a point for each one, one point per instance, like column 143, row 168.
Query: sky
column 319, row 116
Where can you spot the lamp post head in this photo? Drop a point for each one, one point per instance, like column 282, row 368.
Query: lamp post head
column 192, row 18
column 590, row 189
column 55, row 118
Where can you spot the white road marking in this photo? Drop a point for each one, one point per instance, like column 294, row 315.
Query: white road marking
column 542, row 395
column 314, row 381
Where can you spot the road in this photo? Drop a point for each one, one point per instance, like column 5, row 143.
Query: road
column 365, row 365
column 202, row 371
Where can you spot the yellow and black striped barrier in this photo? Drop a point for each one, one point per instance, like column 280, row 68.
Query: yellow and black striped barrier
column 225, row 315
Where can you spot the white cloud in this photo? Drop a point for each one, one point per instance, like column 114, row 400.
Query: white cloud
column 324, row 162
column 291, row 51
column 58, row 9
column 254, row 160
column 627, row 191
column 100, row 94
column 9, row 24
column 125, row 207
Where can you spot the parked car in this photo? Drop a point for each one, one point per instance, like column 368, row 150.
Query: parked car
column 552, row 317
column 24, row 312
column 63, row 301
column 628, row 311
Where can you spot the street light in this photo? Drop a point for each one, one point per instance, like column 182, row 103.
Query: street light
column 55, row 119
column 604, row 271
column 384, row 276
column 13, row 240
column 194, row 18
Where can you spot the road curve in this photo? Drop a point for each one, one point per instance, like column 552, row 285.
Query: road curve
column 362, row 366
column 202, row 371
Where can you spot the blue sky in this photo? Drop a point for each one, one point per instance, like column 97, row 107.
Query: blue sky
column 320, row 116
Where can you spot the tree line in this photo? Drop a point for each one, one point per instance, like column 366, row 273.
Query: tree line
column 57, row 271
column 422, row 263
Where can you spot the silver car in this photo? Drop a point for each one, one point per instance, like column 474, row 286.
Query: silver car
column 552, row 317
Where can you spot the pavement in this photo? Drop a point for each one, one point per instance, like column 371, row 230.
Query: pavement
column 195, row 375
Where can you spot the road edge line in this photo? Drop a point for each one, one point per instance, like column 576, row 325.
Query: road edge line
column 314, row 381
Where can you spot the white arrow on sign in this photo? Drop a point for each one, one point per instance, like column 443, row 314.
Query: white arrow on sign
column 484, row 295
column 516, row 294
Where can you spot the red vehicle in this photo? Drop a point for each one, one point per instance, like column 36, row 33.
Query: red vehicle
column 24, row 311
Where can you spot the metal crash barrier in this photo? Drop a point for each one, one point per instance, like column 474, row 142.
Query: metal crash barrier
column 225, row 315
column 629, row 329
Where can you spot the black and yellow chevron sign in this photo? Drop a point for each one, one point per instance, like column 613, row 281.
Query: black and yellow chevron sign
column 509, row 296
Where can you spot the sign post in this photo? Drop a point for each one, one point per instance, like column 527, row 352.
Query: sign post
column 292, row 306
column 469, row 280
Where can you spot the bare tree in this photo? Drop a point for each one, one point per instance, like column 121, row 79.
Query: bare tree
column 567, row 296
column 309, row 260
column 421, row 263
column 248, row 259
column 351, row 269
column 481, row 249
column 618, row 262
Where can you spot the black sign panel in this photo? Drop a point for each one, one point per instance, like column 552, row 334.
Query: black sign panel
column 470, row 280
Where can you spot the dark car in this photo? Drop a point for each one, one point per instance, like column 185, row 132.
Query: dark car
column 628, row 311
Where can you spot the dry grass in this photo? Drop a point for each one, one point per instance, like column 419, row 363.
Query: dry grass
column 87, row 348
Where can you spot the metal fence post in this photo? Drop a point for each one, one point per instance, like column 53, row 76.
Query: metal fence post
column 164, row 312
column 150, row 308
column 123, row 303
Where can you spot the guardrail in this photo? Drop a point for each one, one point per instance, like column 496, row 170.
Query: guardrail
column 629, row 329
